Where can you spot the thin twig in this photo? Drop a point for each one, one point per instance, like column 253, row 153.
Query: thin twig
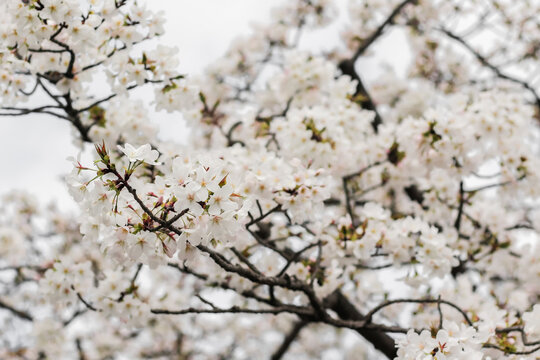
column 288, row 340
column 19, row 313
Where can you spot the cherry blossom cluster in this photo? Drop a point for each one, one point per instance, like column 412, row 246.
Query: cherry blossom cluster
column 452, row 342
column 204, row 199
column 320, row 213
column 59, row 46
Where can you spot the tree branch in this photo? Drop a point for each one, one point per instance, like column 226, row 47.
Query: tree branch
column 379, row 31
column 484, row 61
column 288, row 340
column 19, row 313
column 376, row 309
column 347, row 66
column 347, row 311
column 232, row 310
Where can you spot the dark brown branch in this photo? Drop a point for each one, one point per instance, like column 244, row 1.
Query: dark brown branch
column 289, row 283
column 245, row 260
column 441, row 317
column 485, row 62
column 53, row 51
column 26, row 112
column 377, row 267
column 519, row 226
column 80, row 351
column 232, row 310
column 132, row 286
column 31, row 92
column 228, row 135
column 316, row 268
column 184, row 269
column 379, row 31
column 75, row 315
column 109, row 55
column 491, row 186
column 69, row 71
column 263, row 216
column 75, row 119
column 348, row 200
column 250, row 294
column 281, row 114
column 96, row 103
column 347, row 67
column 521, row 331
column 512, row 352
column 296, row 256
column 269, row 245
column 457, row 223
column 18, row 268
column 475, row 222
column 285, row 282
column 86, row 303
column 370, row 189
column 19, row 313
column 56, row 98
column 133, row 193
column 381, row 306
column 111, row 96
column 170, row 221
column 204, row 301
column 288, row 340
column 347, row 311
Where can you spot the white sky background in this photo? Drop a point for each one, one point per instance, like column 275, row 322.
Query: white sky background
column 34, row 148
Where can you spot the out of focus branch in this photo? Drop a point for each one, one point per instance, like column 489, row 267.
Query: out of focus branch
column 389, row 20
column 347, row 311
column 364, row 99
column 485, row 62
column 347, row 66
column 288, row 340
column 19, row 313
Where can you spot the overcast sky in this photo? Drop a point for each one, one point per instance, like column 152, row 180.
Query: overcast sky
column 35, row 147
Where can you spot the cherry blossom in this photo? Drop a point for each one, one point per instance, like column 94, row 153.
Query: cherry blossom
column 325, row 204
